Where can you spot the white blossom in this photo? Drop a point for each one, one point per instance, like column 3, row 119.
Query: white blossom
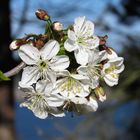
column 72, row 85
column 112, row 69
column 81, row 105
column 93, row 68
column 78, row 104
column 39, row 100
column 49, row 89
column 81, row 40
column 42, row 63
column 74, row 89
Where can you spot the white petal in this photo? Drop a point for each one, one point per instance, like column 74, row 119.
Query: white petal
column 94, row 82
column 49, row 87
column 119, row 69
column 79, row 77
column 30, row 75
column 79, row 100
column 93, row 42
column 44, row 86
column 61, row 114
column 71, row 35
column 41, row 114
column 81, row 56
column 97, row 56
column 117, row 61
column 86, row 86
column 83, row 28
column 25, row 87
column 103, row 55
column 29, row 54
column 92, row 105
column 40, row 86
column 93, row 56
column 57, row 113
column 63, row 73
column 70, row 45
column 50, row 49
column 105, row 66
column 83, row 93
column 82, row 70
column 102, row 98
column 51, row 75
column 59, row 63
column 112, row 55
column 83, row 79
column 78, row 23
column 67, row 95
column 87, row 29
column 55, row 101
column 110, row 80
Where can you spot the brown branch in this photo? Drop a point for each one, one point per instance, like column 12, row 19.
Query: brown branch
column 15, row 70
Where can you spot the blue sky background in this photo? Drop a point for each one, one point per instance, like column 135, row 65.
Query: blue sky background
column 92, row 9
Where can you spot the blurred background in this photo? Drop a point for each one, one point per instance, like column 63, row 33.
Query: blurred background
column 118, row 118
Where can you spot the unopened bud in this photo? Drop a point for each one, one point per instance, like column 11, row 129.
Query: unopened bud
column 13, row 46
column 103, row 40
column 57, row 26
column 99, row 92
column 42, row 14
column 39, row 44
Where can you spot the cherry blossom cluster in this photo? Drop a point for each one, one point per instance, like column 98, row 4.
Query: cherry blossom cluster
column 65, row 69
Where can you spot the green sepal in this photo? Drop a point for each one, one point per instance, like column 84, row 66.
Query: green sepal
column 62, row 50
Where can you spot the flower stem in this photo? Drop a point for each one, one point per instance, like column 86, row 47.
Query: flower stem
column 15, row 70
column 48, row 28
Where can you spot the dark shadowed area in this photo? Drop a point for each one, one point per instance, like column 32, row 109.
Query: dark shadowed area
column 117, row 118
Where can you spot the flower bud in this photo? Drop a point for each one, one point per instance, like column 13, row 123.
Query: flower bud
column 13, row 46
column 39, row 44
column 103, row 40
column 99, row 92
column 57, row 26
column 42, row 14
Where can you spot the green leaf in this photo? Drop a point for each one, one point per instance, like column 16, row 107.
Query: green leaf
column 3, row 77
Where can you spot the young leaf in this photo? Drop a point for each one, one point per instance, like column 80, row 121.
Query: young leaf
column 3, row 77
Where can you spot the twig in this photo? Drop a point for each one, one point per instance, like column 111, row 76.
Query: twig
column 15, row 70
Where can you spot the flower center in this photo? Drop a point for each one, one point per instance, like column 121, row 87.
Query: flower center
column 37, row 101
column 81, row 41
column 94, row 70
column 70, row 85
column 110, row 71
column 43, row 65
